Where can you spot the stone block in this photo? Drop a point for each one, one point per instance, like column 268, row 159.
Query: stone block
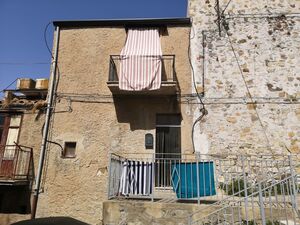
column 231, row 119
column 251, row 106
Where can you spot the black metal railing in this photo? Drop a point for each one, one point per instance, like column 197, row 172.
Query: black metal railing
column 16, row 162
column 168, row 68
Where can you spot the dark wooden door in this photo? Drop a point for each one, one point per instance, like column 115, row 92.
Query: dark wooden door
column 4, row 124
column 5, row 165
column 168, row 148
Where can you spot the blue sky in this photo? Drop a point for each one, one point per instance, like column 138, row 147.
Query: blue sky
column 22, row 48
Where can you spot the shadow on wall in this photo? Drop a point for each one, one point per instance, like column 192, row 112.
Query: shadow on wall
column 140, row 111
column 15, row 199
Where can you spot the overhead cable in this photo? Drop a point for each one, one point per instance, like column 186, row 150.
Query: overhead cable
column 247, row 88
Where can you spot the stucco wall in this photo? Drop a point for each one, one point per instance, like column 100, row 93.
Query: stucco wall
column 31, row 133
column 99, row 122
column 266, row 57
column 84, row 53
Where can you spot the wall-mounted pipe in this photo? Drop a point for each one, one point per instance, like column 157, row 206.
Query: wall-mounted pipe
column 46, row 128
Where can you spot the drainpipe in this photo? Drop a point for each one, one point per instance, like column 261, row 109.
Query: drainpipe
column 46, row 128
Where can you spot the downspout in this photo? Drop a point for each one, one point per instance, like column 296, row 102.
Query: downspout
column 46, row 128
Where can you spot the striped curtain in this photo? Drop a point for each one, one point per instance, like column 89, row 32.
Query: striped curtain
column 141, row 64
column 136, row 178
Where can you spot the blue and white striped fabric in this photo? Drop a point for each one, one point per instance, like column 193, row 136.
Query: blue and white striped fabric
column 136, row 178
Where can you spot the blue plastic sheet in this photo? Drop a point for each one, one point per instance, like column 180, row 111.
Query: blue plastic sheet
column 184, row 179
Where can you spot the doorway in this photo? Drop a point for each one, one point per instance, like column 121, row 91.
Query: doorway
column 168, row 147
column 9, row 134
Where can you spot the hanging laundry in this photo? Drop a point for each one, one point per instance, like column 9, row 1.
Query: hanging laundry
column 184, row 179
column 136, row 178
column 141, row 60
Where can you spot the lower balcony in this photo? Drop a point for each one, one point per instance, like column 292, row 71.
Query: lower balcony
column 169, row 84
column 227, row 189
column 172, row 177
column 16, row 165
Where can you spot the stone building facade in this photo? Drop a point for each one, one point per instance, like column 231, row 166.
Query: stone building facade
column 97, row 119
column 246, row 61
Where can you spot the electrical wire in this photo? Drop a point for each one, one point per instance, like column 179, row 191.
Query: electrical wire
column 46, row 41
column 262, row 15
column 202, row 110
column 55, row 82
column 222, row 13
column 34, row 63
column 56, row 143
column 108, row 96
column 247, row 88
column 9, row 85
column 241, row 103
column 52, row 57
column 193, row 71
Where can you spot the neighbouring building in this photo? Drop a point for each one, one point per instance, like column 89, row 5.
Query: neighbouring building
column 245, row 58
column 94, row 117
column 21, row 122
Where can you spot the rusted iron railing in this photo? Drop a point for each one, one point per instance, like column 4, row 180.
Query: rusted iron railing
column 16, row 162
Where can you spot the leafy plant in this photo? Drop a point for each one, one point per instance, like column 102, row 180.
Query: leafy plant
column 236, row 186
column 279, row 189
column 269, row 222
column 250, row 222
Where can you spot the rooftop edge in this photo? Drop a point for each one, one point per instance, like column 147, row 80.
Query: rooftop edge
column 184, row 21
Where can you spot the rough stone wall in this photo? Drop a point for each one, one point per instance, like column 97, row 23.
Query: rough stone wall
column 158, row 213
column 148, row 213
column 265, row 38
column 100, row 124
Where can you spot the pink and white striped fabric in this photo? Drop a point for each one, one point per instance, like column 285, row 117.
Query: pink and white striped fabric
column 140, row 66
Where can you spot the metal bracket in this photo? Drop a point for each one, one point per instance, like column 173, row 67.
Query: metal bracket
column 221, row 21
column 218, row 21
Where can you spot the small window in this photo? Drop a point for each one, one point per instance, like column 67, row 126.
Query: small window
column 69, row 150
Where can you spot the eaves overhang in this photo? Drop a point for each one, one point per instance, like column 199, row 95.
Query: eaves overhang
column 155, row 22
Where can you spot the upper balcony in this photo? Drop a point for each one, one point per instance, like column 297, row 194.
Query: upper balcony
column 169, row 84
column 16, row 165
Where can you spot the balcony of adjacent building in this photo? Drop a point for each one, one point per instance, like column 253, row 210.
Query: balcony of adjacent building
column 16, row 165
column 169, row 83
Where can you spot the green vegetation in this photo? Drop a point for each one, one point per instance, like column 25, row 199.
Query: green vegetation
column 274, row 222
column 252, row 222
column 236, row 186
